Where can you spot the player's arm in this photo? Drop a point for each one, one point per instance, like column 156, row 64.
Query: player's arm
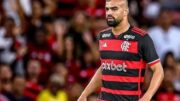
column 150, row 56
column 93, row 85
column 156, row 80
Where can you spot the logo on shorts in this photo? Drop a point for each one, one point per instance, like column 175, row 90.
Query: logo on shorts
column 114, row 67
column 125, row 46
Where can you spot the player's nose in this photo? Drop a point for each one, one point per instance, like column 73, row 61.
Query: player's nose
column 108, row 12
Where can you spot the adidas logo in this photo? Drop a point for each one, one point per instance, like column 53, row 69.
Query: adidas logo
column 104, row 45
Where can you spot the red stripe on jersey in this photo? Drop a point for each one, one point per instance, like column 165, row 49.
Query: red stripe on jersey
column 139, row 31
column 142, row 34
column 129, row 64
column 122, row 79
column 153, row 62
column 118, row 45
column 120, row 92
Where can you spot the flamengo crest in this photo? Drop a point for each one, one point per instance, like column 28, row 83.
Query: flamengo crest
column 125, row 46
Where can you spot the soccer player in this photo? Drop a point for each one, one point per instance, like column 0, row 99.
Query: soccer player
column 125, row 53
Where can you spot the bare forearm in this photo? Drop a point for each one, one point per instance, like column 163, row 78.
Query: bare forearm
column 157, row 78
column 94, row 84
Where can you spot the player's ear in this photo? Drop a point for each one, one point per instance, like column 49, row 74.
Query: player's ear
column 126, row 12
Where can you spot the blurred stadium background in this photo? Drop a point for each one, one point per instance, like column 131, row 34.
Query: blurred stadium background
column 48, row 49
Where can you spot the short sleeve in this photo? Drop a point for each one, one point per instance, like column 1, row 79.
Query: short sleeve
column 149, row 53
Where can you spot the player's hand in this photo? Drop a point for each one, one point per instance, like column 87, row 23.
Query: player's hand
column 145, row 98
column 82, row 98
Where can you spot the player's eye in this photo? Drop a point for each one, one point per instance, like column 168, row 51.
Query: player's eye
column 114, row 8
column 107, row 9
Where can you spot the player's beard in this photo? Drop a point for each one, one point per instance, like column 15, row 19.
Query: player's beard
column 114, row 22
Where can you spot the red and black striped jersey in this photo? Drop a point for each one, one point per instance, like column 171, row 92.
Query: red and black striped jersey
column 123, row 62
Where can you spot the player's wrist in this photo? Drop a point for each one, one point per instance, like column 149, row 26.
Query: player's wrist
column 148, row 96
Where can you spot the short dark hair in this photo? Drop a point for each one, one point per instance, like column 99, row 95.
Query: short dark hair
column 126, row 1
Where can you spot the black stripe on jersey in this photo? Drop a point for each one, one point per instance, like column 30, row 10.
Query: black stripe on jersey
column 120, row 55
column 143, row 72
column 120, row 85
column 129, row 72
column 113, row 97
